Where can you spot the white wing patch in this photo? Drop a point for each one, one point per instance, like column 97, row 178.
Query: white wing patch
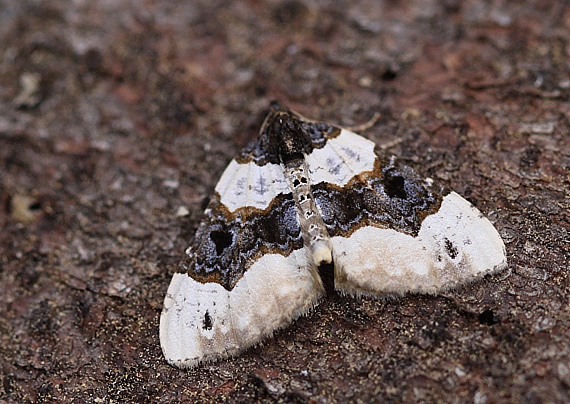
column 454, row 246
column 203, row 321
column 341, row 159
column 251, row 185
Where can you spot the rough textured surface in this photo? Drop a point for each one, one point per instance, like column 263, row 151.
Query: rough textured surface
column 117, row 118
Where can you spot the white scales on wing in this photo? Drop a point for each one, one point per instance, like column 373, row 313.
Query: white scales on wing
column 251, row 185
column 341, row 159
column 204, row 321
column 454, row 245
column 254, row 270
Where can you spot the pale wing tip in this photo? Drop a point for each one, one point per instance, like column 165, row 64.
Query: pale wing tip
column 489, row 251
column 476, row 238
column 182, row 338
column 170, row 343
column 455, row 246
column 179, row 340
column 172, row 330
column 175, row 349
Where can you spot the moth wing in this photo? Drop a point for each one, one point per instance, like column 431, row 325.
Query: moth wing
column 392, row 232
column 455, row 245
column 246, row 274
column 203, row 322
column 249, row 184
column 343, row 157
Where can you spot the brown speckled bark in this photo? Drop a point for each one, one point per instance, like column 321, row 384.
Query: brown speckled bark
column 114, row 114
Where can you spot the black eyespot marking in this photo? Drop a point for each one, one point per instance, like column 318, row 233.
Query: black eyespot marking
column 450, row 248
column 302, row 198
column 296, row 183
column 304, row 180
column 207, row 324
column 395, row 186
column 222, row 240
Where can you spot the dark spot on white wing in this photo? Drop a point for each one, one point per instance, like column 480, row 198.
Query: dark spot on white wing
column 207, row 323
column 241, row 185
column 334, row 166
column 351, row 153
column 261, row 186
column 451, row 249
column 222, row 240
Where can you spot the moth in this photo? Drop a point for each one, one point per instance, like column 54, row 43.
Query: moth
column 303, row 195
